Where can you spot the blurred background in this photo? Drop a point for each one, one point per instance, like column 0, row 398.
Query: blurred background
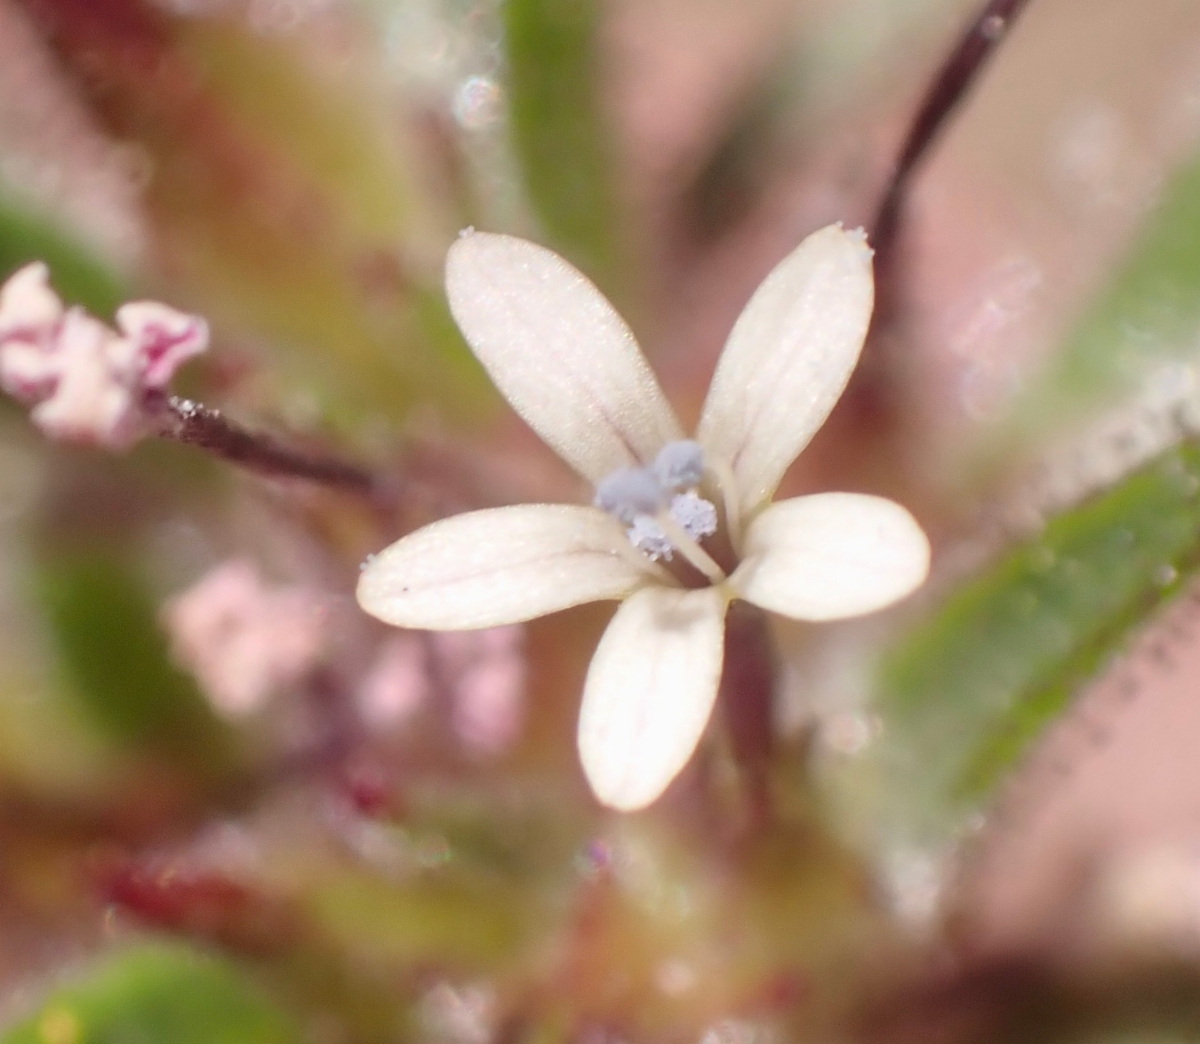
column 235, row 809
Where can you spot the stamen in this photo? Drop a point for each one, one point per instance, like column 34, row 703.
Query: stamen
column 648, row 537
column 697, row 515
column 647, row 563
column 679, row 465
column 629, row 492
column 638, row 497
column 688, row 547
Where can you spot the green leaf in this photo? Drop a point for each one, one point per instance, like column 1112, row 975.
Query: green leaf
column 1145, row 317
column 77, row 275
column 114, row 660
column 156, row 994
column 965, row 692
column 559, row 134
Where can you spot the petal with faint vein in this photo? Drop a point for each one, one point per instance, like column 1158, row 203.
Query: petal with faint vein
column 788, row 359
column 650, row 691
column 831, row 556
column 558, row 352
column 499, row 566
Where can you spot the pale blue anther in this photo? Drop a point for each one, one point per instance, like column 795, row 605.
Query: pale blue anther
column 648, row 537
column 630, row 492
column 679, row 465
column 697, row 515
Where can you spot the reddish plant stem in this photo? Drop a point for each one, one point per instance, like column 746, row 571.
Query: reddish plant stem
column 197, row 425
column 747, row 696
column 869, row 403
column 949, row 87
column 954, row 80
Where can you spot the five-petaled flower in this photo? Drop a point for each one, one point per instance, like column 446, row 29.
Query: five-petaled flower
column 679, row 527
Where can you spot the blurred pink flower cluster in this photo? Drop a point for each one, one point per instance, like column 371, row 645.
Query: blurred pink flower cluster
column 85, row 382
column 243, row 639
column 482, row 673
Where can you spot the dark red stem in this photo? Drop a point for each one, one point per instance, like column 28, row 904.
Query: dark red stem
column 955, row 78
column 193, row 423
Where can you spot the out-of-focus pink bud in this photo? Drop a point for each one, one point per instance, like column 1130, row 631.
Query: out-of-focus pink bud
column 90, row 401
column 243, row 640
column 30, row 316
column 162, row 338
column 397, row 684
column 28, row 307
column 489, row 704
column 85, row 382
column 485, row 673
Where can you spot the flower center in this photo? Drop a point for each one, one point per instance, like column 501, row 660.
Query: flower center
column 661, row 509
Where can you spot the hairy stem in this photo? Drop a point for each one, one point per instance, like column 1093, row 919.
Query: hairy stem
column 197, row 425
column 955, row 78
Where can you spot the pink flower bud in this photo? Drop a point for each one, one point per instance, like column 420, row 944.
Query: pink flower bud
column 85, row 382
column 243, row 640
column 163, row 338
column 28, row 307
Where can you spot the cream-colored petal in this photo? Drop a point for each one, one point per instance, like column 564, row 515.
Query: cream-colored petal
column 499, row 566
column 558, row 352
column 788, row 359
column 832, row 555
column 650, row 691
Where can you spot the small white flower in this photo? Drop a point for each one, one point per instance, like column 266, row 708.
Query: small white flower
column 569, row 365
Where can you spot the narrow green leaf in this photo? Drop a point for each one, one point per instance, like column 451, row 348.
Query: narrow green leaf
column 78, row 276
column 558, row 130
column 153, row 995
column 964, row 693
column 114, row 660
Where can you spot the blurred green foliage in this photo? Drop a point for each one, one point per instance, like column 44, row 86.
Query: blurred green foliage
column 155, row 994
column 78, row 275
column 558, row 130
column 114, row 660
